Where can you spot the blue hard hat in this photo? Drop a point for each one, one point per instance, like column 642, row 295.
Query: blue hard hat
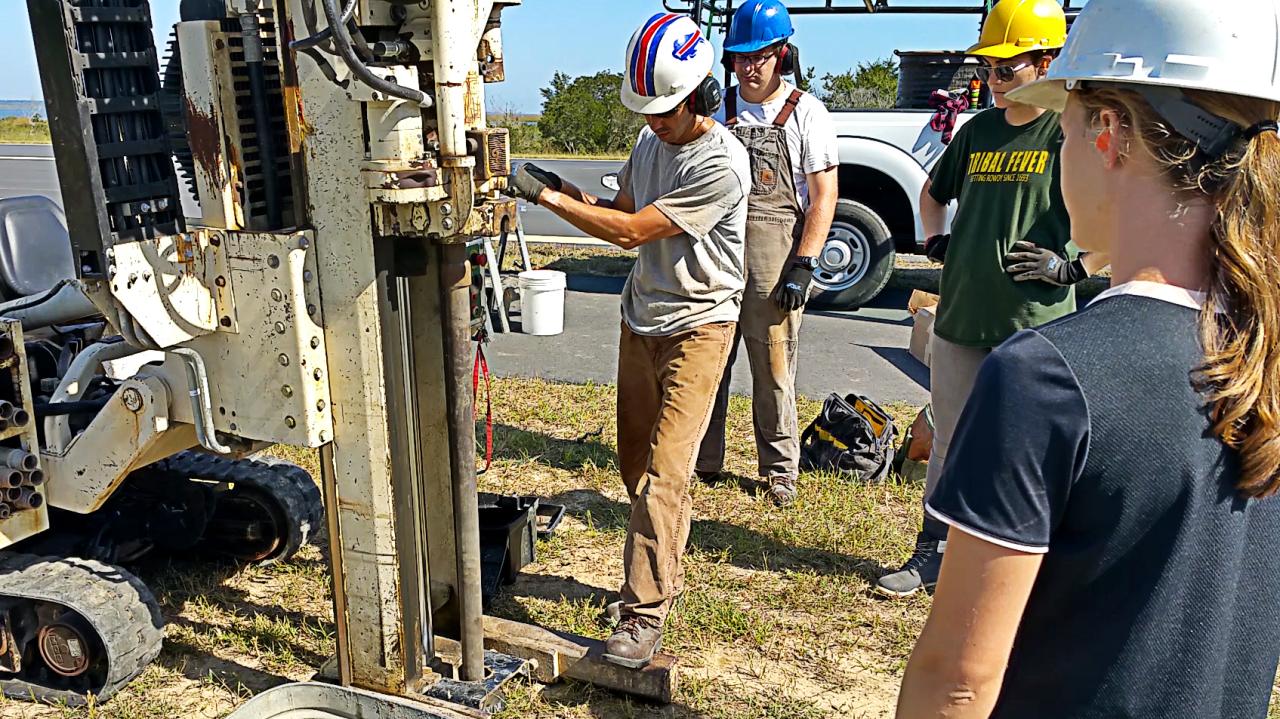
column 758, row 24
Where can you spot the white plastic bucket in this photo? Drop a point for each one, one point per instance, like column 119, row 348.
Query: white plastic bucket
column 542, row 302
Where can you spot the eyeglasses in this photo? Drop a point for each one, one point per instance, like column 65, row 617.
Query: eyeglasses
column 1003, row 73
column 754, row 59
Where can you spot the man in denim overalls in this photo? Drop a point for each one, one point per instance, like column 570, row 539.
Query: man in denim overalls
column 792, row 144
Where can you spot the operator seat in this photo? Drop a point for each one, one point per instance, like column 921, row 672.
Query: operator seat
column 35, row 247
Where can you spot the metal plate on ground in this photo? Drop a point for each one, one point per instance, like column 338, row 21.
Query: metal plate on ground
column 309, row 700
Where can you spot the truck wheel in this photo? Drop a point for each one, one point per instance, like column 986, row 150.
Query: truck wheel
column 857, row 260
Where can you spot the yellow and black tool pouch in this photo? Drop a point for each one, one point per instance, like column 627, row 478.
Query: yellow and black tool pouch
column 852, row 435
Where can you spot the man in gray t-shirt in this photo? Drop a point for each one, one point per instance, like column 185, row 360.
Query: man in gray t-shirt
column 683, row 203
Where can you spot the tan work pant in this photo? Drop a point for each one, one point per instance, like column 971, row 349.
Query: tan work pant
column 953, row 369
column 771, row 337
column 666, row 386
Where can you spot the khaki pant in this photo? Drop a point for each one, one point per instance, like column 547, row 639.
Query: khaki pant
column 953, row 370
column 666, row 386
column 771, row 337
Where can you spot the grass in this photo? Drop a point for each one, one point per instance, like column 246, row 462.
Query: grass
column 23, row 130
column 778, row 620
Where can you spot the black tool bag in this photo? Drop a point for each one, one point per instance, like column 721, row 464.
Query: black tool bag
column 851, row 435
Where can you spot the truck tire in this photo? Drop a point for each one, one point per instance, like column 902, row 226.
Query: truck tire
column 857, row 260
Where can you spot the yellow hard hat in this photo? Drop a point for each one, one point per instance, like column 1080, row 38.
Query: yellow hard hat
column 1017, row 26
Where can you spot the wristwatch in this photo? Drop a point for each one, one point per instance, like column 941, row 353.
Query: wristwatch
column 809, row 262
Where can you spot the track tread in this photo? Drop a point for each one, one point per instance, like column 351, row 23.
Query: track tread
column 287, row 483
column 119, row 607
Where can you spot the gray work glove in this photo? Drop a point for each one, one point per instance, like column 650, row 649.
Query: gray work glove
column 794, row 290
column 1028, row 262
column 529, row 181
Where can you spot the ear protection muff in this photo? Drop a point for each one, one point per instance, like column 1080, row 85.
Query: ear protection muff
column 706, row 99
column 788, row 59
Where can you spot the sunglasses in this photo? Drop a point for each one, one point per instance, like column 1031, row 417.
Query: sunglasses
column 1003, row 73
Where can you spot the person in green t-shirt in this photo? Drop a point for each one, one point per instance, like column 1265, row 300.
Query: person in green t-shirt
column 1009, row 261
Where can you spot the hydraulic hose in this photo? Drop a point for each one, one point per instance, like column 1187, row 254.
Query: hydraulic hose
column 348, row 12
column 253, row 57
column 342, row 41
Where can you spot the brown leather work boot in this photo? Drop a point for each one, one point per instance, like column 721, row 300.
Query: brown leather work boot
column 633, row 643
column 782, row 490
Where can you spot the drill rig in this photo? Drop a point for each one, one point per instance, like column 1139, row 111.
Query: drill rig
column 317, row 295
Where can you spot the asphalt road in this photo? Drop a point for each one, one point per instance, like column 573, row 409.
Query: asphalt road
column 29, row 170
column 863, row 351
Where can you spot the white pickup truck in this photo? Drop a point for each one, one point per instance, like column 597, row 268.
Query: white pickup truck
column 885, row 158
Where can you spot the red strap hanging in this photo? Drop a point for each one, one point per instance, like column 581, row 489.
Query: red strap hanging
column 481, row 366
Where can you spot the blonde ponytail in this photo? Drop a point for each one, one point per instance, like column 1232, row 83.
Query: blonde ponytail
column 1240, row 324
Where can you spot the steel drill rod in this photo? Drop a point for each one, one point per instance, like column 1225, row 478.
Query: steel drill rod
column 20, row 418
column 455, row 281
column 35, row 478
column 18, row 459
column 10, row 477
column 28, row 499
column 12, row 493
column 5, row 511
column 6, row 346
column 6, row 409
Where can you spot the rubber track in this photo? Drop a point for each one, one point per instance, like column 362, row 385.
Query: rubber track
column 116, row 604
column 287, row 483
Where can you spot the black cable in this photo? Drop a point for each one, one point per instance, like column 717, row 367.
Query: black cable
column 342, row 40
column 58, row 409
column 48, row 295
column 311, row 41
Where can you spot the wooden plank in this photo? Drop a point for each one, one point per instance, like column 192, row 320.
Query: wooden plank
column 560, row 654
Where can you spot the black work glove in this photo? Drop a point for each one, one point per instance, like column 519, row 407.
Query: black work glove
column 793, row 293
column 529, row 181
column 1028, row 262
column 935, row 248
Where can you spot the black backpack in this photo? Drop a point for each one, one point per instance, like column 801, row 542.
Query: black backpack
column 851, row 435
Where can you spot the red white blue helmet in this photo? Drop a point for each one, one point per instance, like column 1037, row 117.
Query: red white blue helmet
column 667, row 59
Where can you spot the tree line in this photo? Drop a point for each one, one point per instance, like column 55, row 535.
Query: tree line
column 584, row 115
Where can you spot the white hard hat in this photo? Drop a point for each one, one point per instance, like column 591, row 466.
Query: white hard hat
column 667, row 59
column 1226, row 46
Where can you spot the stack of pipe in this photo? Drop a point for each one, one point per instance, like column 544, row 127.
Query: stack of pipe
column 20, row 481
column 12, row 415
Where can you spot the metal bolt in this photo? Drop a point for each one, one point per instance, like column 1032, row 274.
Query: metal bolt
column 284, row 360
column 320, row 405
column 306, row 275
column 277, row 295
column 318, row 374
column 225, row 321
column 162, row 204
column 311, row 309
column 273, row 261
column 446, row 209
column 324, row 436
column 280, row 327
column 303, row 243
column 315, row 343
column 215, row 240
column 447, row 223
column 145, row 207
column 132, row 399
column 287, row 391
column 233, row 426
column 220, row 281
column 290, row 422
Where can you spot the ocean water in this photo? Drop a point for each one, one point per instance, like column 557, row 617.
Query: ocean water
column 21, row 108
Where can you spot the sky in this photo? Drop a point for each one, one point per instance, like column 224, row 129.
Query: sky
column 580, row 37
